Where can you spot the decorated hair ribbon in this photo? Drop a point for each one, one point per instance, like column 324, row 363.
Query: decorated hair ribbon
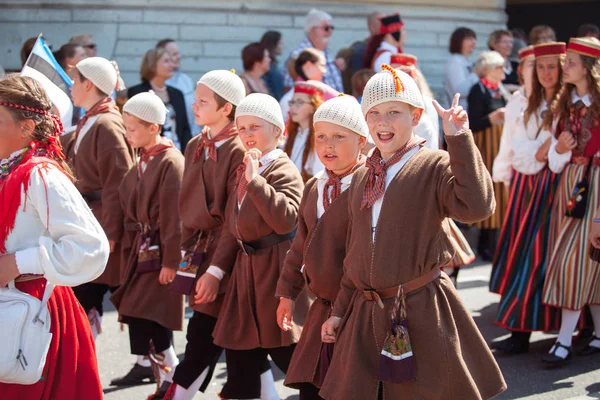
column 397, row 80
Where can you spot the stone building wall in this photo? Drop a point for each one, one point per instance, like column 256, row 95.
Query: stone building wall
column 211, row 34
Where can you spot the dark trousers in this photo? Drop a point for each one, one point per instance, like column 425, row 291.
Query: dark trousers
column 142, row 331
column 91, row 295
column 200, row 352
column 308, row 391
column 244, row 368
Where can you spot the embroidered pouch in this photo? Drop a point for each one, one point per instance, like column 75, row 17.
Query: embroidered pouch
column 149, row 257
column 577, row 203
column 188, row 268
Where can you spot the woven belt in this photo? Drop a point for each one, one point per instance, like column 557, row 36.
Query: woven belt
column 138, row 227
column 264, row 242
column 389, row 293
column 582, row 160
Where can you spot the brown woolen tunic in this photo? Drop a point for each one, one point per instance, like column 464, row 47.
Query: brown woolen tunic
column 452, row 359
column 319, row 245
column 248, row 316
column 152, row 200
column 205, row 189
column 101, row 162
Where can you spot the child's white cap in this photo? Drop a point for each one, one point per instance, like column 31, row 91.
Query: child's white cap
column 226, row 84
column 262, row 106
column 148, row 107
column 391, row 85
column 102, row 73
column 343, row 111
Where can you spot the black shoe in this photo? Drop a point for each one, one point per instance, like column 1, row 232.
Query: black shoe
column 137, row 376
column 161, row 393
column 590, row 350
column 511, row 345
column 585, row 334
column 552, row 360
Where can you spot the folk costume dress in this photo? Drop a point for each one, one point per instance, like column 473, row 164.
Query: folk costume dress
column 211, row 160
column 572, row 278
column 149, row 196
column 315, row 261
column 100, row 157
column 56, row 239
column 262, row 218
column 519, row 274
column 451, row 358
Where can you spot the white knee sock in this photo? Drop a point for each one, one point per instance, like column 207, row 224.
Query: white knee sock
column 595, row 310
column 567, row 327
column 268, row 391
column 95, row 322
column 171, row 361
column 189, row 393
column 143, row 361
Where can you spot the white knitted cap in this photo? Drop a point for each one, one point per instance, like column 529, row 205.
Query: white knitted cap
column 148, row 107
column 343, row 111
column 382, row 87
column 314, row 18
column 100, row 72
column 262, row 106
column 226, row 84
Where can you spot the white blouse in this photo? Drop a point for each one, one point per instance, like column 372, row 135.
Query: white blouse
column 55, row 233
column 525, row 144
column 313, row 164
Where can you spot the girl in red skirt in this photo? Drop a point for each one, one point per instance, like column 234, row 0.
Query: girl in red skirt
column 47, row 234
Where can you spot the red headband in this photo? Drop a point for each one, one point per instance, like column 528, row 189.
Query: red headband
column 405, row 60
column 525, row 52
column 549, row 49
column 391, row 28
column 302, row 87
column 584, row 48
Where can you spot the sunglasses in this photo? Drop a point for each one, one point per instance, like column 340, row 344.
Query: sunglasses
column 90, row 46
column 328, row 28
column 298, row 103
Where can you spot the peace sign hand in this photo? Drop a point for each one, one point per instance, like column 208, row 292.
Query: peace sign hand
column 454, row 119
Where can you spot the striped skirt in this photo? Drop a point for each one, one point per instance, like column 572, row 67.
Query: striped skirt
column 521, row 188
column 521, row 286
column 463, row 254
column 488, row 143
column 573, row 279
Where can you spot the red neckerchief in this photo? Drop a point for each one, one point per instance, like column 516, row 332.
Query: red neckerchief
column 163, row 145
column 10, row 187
column 205, row 141
column 241, row 183
column 335, row 181
column 102, row 107
column 375, row 185
column 490, row 85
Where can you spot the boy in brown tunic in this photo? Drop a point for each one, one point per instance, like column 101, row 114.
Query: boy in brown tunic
column 211, row 159
column 148, row 196
column 262, row 218
column 318, row 250
column 400, row 329
column 100, row 158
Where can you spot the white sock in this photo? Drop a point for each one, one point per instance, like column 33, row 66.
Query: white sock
column 268, row 391
column 595, row 310
column 567, row 327
column 95, row 322
column 171, row 361
column 189, row 393
column 143, row 361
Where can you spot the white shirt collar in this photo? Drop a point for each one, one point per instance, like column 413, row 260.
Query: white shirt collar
column 268, row 158
column 389, row 47
column 586, row 99
column 322, row 176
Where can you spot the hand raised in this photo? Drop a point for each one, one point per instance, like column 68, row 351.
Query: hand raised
column 251, row 160
column 454, row 119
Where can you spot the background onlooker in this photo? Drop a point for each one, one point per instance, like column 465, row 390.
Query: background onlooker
column 309, row 65
column 87, row 42
column 318, row 30
column 541, row 34
column 502, row 42
column 181, row 81
column 388, row 41
column 359, row 81
column 26, row 49
column 257, row 62
column 68, row 56
column 359, row 48
column 458, row 74
column 274, row 77
column 519, row 41
column 155, row 70
column 589, row 30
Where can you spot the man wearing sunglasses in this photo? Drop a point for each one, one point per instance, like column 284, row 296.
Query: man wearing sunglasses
column 318, row 30
column 87, row 42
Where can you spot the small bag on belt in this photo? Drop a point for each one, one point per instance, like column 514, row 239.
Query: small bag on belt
column 578, row 199
column 396, row 361
column 194, row 254
column 149, row 256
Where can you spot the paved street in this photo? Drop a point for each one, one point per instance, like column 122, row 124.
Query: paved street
column 525, row 376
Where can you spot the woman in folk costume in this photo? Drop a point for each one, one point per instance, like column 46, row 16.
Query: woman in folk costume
column 262, row 219
column 520, row 268
column 572, row 278
column 389, row 41
column 486, row 116
column 300, row 142
column 48, row 236
column 502, row 170
column 404, row 331
column 100, row 157
column 318, row 250
column 149, row 194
